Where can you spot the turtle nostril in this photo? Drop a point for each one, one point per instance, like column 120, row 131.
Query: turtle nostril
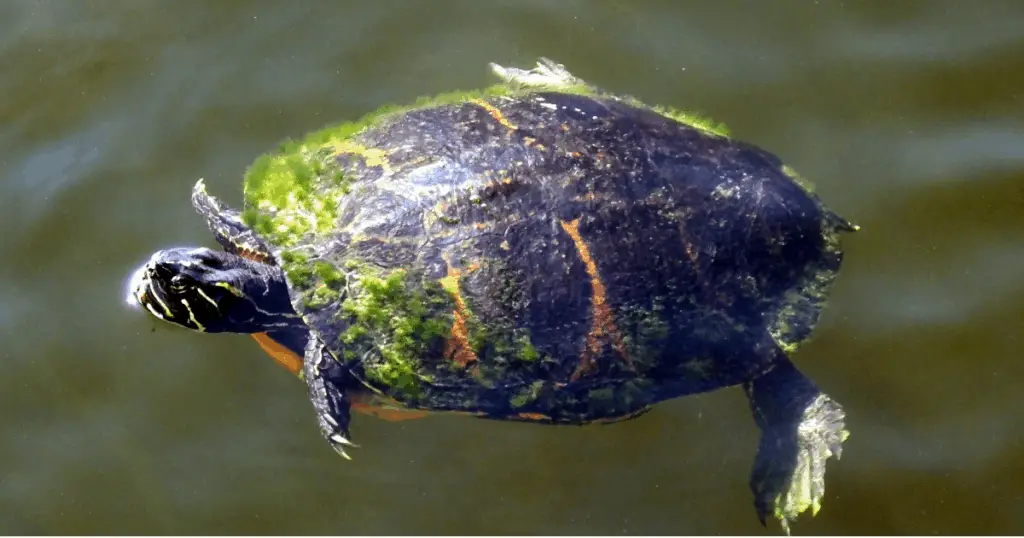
column 161, row 272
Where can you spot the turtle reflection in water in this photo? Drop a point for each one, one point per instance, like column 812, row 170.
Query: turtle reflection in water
column 541, row 250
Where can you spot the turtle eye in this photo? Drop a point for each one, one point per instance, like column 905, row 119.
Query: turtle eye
column 178, row 283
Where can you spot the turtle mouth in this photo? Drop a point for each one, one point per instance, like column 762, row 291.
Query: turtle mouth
column 145, row 291
column 136, row 285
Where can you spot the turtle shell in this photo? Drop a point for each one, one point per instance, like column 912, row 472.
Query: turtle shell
column 565, row 256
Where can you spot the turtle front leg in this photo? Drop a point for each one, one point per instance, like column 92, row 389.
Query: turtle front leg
column 326, row 379
column 800, row 429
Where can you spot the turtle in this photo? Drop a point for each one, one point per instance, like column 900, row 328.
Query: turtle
column 541, row 250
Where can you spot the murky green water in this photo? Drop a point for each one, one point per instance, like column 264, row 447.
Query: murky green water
column 909, row 116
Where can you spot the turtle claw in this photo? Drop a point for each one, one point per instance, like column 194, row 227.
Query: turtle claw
column 547, row 74
column 342, row 453
column 338, row 443
column 341, row 440
column 326, row 379
column 334, row 420
column 338, row 440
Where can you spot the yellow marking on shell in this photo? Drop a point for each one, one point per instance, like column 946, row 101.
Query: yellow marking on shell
column 252, row 253
column 495, row 113
column 372, row 157
column 457, row 346
column 603, row 322
column 532, row 142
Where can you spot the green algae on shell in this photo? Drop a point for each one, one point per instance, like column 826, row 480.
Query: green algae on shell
column 411, row 316
column 297, row 189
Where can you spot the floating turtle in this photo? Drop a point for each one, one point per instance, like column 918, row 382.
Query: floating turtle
column 541, row 251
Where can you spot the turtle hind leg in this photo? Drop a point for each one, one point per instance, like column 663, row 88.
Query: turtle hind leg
column 801, row 428
column 547, row 74
column 327, row 379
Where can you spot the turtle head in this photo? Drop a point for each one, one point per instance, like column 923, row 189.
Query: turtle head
column 213, row 291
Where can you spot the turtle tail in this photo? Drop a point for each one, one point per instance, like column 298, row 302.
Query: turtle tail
column 839, row 224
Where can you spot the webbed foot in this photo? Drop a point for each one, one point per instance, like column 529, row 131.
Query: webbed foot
column 547, row 74
column 227, row 226
column 326, row 379
column 800, row 429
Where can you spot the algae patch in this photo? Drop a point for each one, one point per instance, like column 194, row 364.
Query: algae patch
column 800, row 180
column 290, row 195
column 528, row 395
column 400, row 322
column 296, row 190
column 697, row 121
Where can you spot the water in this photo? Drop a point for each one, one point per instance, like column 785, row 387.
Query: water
column 907, row 115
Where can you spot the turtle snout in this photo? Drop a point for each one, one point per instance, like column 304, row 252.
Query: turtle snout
column 161, row 272
column 136, row 286
column 147, row 288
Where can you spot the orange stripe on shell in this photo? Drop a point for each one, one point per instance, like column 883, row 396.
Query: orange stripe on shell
column 603, row 322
